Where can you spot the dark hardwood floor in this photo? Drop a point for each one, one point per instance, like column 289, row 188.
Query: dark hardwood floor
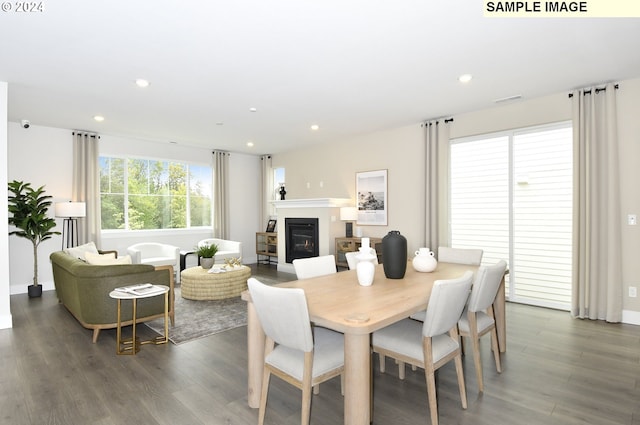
column 557, row 370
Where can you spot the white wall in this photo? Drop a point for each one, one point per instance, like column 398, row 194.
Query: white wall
column 401, row 152
column 42, row 156
column 5, row 307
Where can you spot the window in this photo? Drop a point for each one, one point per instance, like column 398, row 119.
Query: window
column 138, row 194
column 511, row 195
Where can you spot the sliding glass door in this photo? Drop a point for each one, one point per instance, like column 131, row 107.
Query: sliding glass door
column 511, row 195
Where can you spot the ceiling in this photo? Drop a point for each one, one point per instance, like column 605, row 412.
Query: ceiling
column 350, row 67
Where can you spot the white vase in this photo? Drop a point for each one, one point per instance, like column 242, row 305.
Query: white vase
column 365, row 268
column 424, row 261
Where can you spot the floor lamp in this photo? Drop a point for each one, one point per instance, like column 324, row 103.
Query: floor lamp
column 70, row 211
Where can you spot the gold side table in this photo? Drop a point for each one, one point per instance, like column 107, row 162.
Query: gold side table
column 132, row 345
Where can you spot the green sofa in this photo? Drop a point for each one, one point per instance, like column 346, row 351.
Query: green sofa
column 84, row 290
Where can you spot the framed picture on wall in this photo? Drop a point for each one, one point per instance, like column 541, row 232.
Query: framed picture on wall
column 271, row 226
column 371, row 197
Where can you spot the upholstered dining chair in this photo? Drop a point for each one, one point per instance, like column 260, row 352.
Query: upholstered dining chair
column 472, row 257
column 478, row 319
column 352, row 259
column 314, row 266
column 294, row 351
column 432, row 343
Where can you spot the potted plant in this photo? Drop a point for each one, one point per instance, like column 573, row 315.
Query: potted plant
column 207, row 255
column 28, row 213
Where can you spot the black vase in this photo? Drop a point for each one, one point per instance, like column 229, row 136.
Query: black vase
column 394, row 255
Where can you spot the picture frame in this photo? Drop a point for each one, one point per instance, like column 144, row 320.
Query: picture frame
column 371, row 198
column 271, row 226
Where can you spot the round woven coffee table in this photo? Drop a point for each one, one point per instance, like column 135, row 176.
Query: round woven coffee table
column 198, row 284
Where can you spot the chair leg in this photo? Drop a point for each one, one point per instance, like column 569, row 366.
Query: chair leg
column 401, row 370
column 430, row 377
column 475, row 346
column 263, row 395
column 382, row 362
column 306, row 388
column 460, row 373
column 496, row 351
column 316, row 389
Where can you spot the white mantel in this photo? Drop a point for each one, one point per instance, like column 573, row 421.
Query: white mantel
column 314, row 203
column 327, row 210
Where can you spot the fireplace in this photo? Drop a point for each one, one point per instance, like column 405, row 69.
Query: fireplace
column 301, row 238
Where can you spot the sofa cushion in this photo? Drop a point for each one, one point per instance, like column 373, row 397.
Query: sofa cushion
column 80, row 251
column 106, row 259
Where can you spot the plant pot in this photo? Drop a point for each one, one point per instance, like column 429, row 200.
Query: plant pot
column 34, row 291
column 206, row 263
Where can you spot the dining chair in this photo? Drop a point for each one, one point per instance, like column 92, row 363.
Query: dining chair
column 472, row 257
column 352, row 259
column 294, row 351
column 432, row 343
column 460, row 255
column 306, row 268
column 478, row 318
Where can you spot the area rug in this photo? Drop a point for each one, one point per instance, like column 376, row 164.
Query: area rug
column 199, row 319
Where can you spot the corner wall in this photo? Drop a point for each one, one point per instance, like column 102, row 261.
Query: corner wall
column 5, row 305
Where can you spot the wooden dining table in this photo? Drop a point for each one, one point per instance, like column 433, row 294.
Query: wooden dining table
column 338, row 302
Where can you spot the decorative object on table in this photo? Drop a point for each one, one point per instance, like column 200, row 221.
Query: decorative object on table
column 424, row 261
column 271, row 226
column 371, row 197
column 207, row 254
column 70, row 212
column 348, row 214
column 282, row 191
column 28, row 213
column 394, row 260
column 365, row 267
column 233, row 263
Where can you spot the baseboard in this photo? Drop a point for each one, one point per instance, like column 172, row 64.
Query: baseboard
column 22, row 289
column 631, row 317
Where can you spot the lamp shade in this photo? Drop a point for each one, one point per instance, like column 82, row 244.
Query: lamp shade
column 71, row 209
column 348, row 213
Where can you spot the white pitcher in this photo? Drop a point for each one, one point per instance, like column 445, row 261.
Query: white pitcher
column 424, row 261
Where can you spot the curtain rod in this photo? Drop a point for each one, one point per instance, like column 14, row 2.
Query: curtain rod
column 598, row 90
column 429, row 122
column 87, row 133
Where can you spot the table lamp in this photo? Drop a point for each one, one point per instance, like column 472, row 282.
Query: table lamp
column 70, row 211
column 348, row 214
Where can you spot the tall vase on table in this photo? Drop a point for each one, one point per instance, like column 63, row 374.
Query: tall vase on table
column 365, row 267
column 394, row 255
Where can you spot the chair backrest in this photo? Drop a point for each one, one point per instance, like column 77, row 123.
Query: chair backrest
column 485, row 287
column 283, row 314
column 460, row 255
column 352, row 259
column 446, row 303
column 315, row 266
column 153, row 249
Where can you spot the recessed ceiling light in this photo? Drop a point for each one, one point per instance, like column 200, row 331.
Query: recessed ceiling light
column 252, row 109
column 98, row 118
column 219, row 123
column 315, row 127
column 250, row 144
column 140, row 82
column 465, row 78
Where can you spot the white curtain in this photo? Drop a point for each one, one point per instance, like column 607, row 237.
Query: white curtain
column 86, row 185
column 436, row 142
column 221, row 195
column 266, row 207
column 597, row 265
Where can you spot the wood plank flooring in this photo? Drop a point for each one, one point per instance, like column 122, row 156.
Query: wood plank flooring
column 557, row 370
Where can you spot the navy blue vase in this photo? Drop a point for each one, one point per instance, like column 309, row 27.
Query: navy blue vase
column 394, row 255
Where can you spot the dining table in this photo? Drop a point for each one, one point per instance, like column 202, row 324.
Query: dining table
column 336, row 301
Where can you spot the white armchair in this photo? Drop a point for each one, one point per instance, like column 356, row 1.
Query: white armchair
column 226, row 249
column 156, row 254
